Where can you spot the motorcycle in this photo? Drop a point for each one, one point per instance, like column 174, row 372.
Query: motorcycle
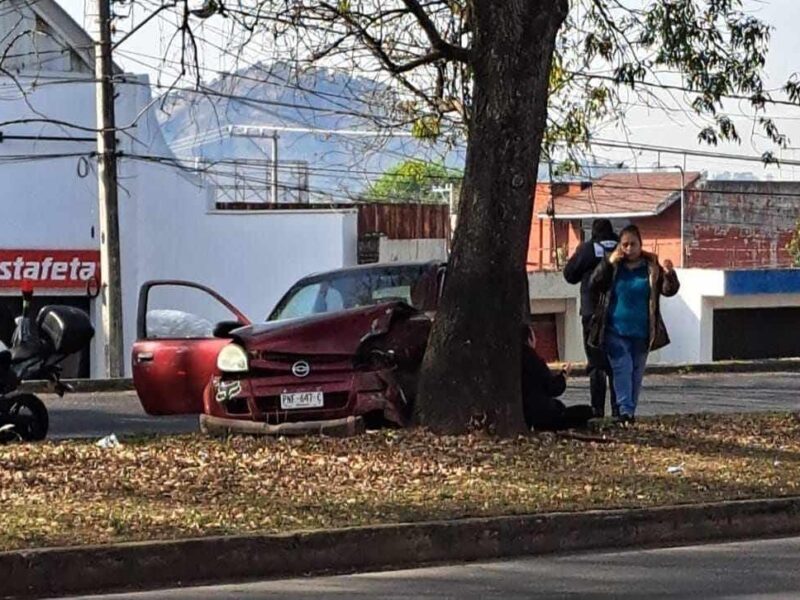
column 38, row 347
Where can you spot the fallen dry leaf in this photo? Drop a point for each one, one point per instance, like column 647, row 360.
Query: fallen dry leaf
column 61, row 493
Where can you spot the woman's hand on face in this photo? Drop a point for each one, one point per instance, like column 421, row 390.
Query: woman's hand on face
column 616, row 256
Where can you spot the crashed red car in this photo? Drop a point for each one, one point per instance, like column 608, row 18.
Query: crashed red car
column 339, row 351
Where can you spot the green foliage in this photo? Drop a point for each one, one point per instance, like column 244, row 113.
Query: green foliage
column 793, row 247
column 426, row 128
column 413, row 181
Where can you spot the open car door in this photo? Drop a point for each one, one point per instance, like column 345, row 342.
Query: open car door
column 181, row 327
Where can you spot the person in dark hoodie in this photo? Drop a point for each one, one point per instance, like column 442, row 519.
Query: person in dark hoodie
column 540, row 390
column 579, row 269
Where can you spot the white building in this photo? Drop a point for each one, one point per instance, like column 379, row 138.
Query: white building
column 169, row 225
column 716, row 315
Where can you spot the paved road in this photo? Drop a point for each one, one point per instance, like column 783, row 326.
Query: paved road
column 764, row 570
column 718, row 393
column 95, row 415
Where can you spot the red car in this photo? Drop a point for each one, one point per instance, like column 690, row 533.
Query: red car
column 340, row 350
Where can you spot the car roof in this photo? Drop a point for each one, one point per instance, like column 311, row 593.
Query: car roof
column 370, row 267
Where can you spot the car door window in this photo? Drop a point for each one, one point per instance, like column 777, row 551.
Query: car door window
column 399, row 292
column 180, row 312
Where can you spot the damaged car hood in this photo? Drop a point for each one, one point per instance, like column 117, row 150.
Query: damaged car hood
column 331, row 333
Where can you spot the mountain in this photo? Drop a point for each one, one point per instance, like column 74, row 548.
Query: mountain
column 324, row 118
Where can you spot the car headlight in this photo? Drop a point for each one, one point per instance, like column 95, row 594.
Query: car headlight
column 232, row 359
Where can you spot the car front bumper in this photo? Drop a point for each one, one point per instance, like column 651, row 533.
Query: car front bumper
column 349, row 394
column 220, row 426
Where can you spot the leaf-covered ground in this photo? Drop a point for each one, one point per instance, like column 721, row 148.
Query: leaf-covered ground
column 169, row 487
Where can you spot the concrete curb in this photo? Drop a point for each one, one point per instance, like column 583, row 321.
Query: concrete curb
column 82, row 386
column 152, row 565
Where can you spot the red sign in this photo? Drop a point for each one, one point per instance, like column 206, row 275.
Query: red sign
column 49, row 269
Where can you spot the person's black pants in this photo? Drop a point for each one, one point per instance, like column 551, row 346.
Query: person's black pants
column 550, row 414
column 599, row 370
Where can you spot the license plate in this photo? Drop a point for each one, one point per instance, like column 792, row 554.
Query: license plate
column 301, row 400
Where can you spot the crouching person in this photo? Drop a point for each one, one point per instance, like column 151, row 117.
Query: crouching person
column 541, row 389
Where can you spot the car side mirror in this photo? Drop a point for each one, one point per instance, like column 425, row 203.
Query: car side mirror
column 223, row 328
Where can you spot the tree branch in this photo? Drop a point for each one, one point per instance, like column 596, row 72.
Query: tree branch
column 445, row 50
column 377, row 49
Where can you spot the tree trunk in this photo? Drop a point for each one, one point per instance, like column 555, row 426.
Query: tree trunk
column 471, row 372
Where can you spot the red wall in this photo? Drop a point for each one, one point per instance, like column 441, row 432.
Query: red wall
column 554, row 240
column 662, row 234
column 551, row 242
column 728, row 225
column 746, row 225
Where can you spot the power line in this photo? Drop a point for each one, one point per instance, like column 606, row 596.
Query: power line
column 689, row 152
column 595, row 202
column 338, row 194
column 665, row 86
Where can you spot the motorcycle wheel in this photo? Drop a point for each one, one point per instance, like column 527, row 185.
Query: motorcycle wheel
column 28, row 414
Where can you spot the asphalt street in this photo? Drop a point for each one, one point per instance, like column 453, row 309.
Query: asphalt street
column 759, row 570
column 96, row 415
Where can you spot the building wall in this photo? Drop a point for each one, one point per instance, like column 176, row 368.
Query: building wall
column 550, row 294
column 411, row 250
column 741, row 224
column 728, row 225
column 662, row 233
column 689, row 316
column 540, row 246
column 551, row 242
column 36, row 43
column 168, row 226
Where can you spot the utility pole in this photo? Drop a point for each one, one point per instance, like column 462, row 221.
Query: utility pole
column 274, row 167
column 683, row 210
column 110, row 264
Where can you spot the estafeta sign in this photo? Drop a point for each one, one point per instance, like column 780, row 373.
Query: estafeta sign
column 50, row 269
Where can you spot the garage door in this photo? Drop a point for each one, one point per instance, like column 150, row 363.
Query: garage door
column 544, row 326
column 753, row 333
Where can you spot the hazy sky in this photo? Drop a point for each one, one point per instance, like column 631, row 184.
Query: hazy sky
column 643, row 125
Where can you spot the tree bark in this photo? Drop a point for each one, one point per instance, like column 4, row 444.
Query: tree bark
column 470, row 377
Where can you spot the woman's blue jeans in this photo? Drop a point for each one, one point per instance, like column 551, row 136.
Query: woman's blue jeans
column 628, row 357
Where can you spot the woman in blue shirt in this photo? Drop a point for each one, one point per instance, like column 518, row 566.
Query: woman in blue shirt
column 627, row 322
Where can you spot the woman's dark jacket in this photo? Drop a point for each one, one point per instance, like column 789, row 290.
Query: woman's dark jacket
column 661, row 284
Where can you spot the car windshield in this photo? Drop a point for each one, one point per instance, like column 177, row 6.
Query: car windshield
column 352, row 289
